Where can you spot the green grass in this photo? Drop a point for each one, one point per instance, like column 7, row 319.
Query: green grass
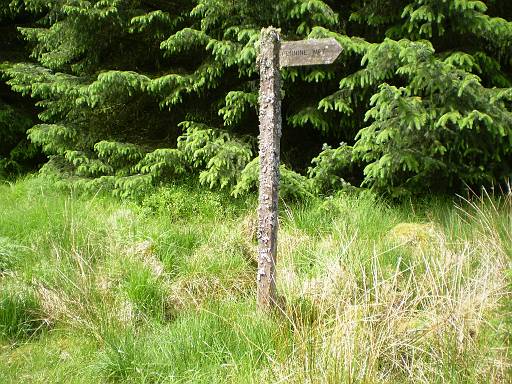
column 20, row 312
column 96, row 290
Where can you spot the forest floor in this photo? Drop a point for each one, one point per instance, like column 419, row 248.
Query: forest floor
column 94, row 290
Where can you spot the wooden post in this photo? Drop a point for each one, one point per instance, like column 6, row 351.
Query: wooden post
column 269, row 148
column 271, row 58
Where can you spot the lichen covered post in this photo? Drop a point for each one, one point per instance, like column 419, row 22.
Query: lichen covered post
column 269, row 147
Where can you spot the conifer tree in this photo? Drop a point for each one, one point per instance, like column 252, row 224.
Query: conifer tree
column 134, row 93
column 17, row 154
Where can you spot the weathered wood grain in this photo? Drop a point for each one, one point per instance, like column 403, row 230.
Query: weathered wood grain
column 309, row 52
column 269, row 147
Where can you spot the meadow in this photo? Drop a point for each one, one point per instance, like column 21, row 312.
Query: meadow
column 94, row 289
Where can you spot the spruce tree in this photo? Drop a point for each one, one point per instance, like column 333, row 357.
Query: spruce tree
column 17, row 154
column 134, row 93
column 438, row 89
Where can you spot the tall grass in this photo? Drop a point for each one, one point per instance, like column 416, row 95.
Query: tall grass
column 20, row 312
column 96, row 290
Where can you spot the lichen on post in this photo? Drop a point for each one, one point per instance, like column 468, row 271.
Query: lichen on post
column 269, row 148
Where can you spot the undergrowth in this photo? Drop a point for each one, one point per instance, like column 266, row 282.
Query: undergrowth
column 97, row 290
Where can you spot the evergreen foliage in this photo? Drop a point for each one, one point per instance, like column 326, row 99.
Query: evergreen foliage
column 17, row 154
column 135, row 93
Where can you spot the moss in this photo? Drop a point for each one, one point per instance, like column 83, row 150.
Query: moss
column 421, row 235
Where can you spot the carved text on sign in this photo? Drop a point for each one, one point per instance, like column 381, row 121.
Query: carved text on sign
column 309, row 52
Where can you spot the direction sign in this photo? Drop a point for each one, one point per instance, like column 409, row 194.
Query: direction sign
column 273, row 54
column 309, row 52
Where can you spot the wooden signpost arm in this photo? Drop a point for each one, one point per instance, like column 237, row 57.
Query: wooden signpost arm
column 269, row 148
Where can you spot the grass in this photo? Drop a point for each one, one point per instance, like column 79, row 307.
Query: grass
column 96, row 290
column 20, row 312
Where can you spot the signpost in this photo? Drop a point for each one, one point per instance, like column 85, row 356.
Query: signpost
column 309, row 52
column 273, row 56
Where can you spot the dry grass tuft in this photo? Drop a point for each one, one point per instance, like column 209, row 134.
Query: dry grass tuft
column 195, row 292
column 429, row 321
